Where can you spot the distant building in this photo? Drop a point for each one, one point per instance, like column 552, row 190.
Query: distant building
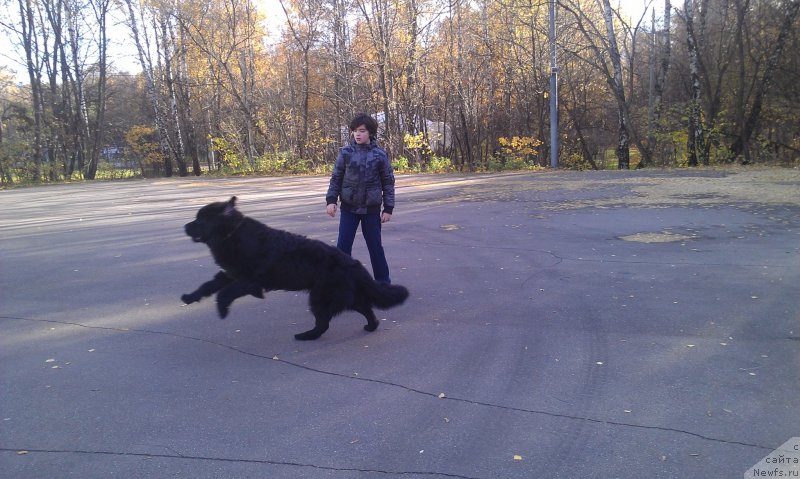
column 115, row 156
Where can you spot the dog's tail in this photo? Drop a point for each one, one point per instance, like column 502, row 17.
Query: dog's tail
column 384, row 296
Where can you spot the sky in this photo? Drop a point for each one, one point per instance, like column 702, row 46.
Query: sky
column 634, row 8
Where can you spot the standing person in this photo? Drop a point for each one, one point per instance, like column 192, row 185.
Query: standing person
column 363, row 180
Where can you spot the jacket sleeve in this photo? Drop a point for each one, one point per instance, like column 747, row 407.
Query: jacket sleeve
column 387, row 183
column 335, row 187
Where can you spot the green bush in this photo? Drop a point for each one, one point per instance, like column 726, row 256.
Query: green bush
column 575, row 161
column 400, row 164
column 440, row 164
column 105, row 171
column 283, row 162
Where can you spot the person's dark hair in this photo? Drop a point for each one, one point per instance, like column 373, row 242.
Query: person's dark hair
column 370, row 123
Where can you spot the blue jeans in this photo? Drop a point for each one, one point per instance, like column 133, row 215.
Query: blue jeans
column 371, row 228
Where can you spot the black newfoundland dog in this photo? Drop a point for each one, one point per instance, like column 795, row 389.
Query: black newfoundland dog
column 256, row 258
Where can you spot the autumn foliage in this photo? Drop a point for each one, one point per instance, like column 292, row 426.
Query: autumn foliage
column 234, row 86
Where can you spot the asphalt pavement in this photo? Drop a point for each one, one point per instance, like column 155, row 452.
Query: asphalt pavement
column 560, row 325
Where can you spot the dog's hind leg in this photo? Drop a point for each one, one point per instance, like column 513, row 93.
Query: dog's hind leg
column 234, row 290
column 366, row 310
column 208, row 288
column 321, row 324
column 324, row 308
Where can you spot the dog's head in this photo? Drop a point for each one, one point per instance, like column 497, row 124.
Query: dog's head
column 214, row 221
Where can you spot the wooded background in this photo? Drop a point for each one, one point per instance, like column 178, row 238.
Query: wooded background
column 219, row 89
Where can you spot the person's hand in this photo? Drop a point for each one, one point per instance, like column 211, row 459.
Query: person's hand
column 331, row 210
column 386, row 217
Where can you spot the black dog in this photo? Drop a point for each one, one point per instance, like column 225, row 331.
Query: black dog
column 256, row 258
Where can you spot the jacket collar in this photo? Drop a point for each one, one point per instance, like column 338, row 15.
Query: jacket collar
column 372, row 144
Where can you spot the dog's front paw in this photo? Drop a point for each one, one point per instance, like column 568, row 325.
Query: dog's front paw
column 189, row 298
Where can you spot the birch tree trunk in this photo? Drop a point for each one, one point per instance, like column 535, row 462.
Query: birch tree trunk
column 659, row 76
column 81, row 116
column 696, row 134
column 617, row 87
column 168, row 47
column 213, row 109
column 246, row 98
column 150, row 85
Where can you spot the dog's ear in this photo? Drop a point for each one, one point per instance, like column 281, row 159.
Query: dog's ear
column 230, row 207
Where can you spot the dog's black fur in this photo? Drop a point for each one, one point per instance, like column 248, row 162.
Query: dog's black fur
column 256, row 258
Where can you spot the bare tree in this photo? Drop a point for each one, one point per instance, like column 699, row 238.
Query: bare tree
column 696, row 137
column 226, row 35
column 34, row 66
column 100, row 9
column 142, row 43
column 750, row 122
column 304, row 20
column 380, row 19
column 605, row 58
column 460, row 86
column 660, row 50
column 618, row 89
column 185, row 102
column 168, row 46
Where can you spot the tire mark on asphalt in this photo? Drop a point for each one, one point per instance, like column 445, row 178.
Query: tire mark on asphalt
column 420, row 392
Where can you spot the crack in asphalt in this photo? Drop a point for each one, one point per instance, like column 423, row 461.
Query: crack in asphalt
column 420, row 392
column 234, row 460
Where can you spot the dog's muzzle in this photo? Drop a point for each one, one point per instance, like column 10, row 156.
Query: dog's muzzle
column 195, row 235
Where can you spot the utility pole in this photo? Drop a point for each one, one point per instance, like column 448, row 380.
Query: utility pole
column 553, row 89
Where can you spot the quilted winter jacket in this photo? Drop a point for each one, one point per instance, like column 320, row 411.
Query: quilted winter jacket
column 362, row 179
